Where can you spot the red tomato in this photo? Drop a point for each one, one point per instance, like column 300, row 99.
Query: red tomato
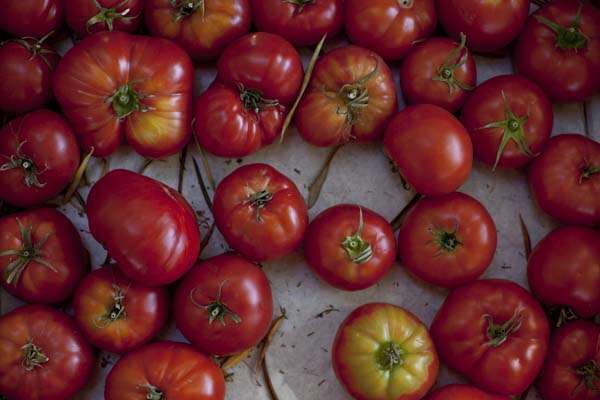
column 430, row 147
column 42, row 258
column 165, row 370
column 493, row 332
column 148, row 228
column 389, row 27
column 438, row 71
column 509, row 119
column 113, row 86
column 116, row 314
column 565, row 179
column 447, row 240
column 351, row 97
column 462, row 392
column 260, row 212
column 350, row 247
column 224, row 305
column 42, row 355
column 559, row 49
column 39, row 155
column 34, row 18
column 89, row 16
column 202, row 28
column 384, row 352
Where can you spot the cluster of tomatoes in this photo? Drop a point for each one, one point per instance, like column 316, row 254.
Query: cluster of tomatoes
column 114, row 87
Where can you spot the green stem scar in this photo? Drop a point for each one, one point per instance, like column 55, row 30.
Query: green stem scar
column 447, row 70
column 447, row 242
column 33, row 356
column 300, row 4
column 570, row 38
column 389, row 356
column 588, row 171
column 116, row 312
column 216, row 309
column 358, row 249
column 30, row 172
column 590, row 377
column 126, row 100
column 34, row 45
column 254, row 100
column 498, row 334
column 259, row 200
column 108, row 15
column 152, row 392
column 186, row 8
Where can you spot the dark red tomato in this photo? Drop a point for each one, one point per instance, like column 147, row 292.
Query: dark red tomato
column 38, row 158
column 389, row 27
column 302, row 22
column 559, row 49
column 116, row 314
column 202, row 28
column 42, row 258
column 42, row 355
column 148, row 228
column 462, row 392
column 165, row 370
column 565, row 179
column 224, row 305
column 438, row 71
column 350, row 247
column 34, row 18
column 89, row 16
column 509, row 119
column 489, row 25
column 495, row 333
column 447, row 240
column 430, row 147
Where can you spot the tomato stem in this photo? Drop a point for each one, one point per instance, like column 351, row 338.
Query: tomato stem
column 447, row 70
column 587, row 171
column 389, row 356
column 498, row 334
column 358, row 249
column 116, row 312
column 300, row 4
column 30, row 172
column 259, row 200
column 34, row 45
column 252, row 99
column 126, row 100
column 590, row 377
column 562, row 315
column 153, row 393
column 108, row 15
column 405, row 3
column 447, row 241
column 216, row 309
column 187, row 7
column 567, row 38
column 33, row 356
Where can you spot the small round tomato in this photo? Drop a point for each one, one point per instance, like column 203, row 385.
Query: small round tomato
column 224, row 305
column 462, row 392
column 260, row 212
column 42, row 258
column 384, row 352
column 116, row 314
column 509, row 119
column 350, row 247
column 430, row 147
column 447, row 240
column 34, row 18
column 89, row 16
column 565, row 179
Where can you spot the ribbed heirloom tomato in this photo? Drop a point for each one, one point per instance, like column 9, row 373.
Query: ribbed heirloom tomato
column 34, row 18
column 89, row 16
column 462, row 392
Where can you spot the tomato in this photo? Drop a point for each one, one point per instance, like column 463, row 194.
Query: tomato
column 350, row 247
column 40, row 156
column 202, row 28
column 114, row 85
column 42, row 355
column 509, row 119
column 462, row 392
column 430, row 147
column 559, row 49
column 42, row 258
column 116, row 314
column 89, row 16
column 447, row 240
column 302, row 22
column 148, row 228
column 438, row 71
column 34, row 18
column 489, row 25
column 224, row 305
column 384, row 352
column 259, row 76
column 389, row 27
column 165, row 370
column 351, row 97
column 565, row 179
column 260, row 212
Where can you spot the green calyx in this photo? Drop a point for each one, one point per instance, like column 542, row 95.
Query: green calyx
column 388, row 356
column 588, row 171
column 185, row 8
column 216, row 309
column 253, row 99
column 33, row 356
column 116, row 312
column 590, row 377
column 108, row 15
column 258, row 200
column 358, row 250
column 498, row 334
column 570, row 38
column 152, row 392
column 126, row 100
column 447, row 70
column 30, row 172
column 300, row 3
column 34, row 45
column 447, row 242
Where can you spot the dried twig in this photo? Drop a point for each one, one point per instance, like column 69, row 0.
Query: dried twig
column 267, row 342
column 77, row 178
column 234, row 360
column 270, row 386
column 182, row 160
column 314, row 190
column 205, row 194
column 526, row 237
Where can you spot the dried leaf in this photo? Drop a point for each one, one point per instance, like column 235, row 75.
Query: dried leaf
column 234, row 360
column 206, row 165
column 182, row 160
column 77, row 178
column 270, row 386
column 314, row 190
column 267, row 342
column 526, row 237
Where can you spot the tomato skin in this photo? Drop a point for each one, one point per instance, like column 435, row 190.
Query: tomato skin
column 457, row 213
column 178, row 370
column 430, row 147
column 30, row 17
column 148, row 228
column 70, row 358
column 242, row 287
column 331, row 262
column 79, row 12
column 462, row 392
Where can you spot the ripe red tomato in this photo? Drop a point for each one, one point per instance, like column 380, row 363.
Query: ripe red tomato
column 114, row 85
column 389, row 27
column 224, row 305
column 559, row 49
column 42, row 258
column 116, row 314
column 260, row 212
column 447, row 240
column 493, row 332
column 351, row 97
column 148, row 228
column 165, row 370
column 89, row 16
column 430, row 147
column 38, row 158
column 42, row 355
column 34, row 18
column 384, row 352
column 350, row 247
column 565, row 179
column 462, row 392
column 509, row 119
